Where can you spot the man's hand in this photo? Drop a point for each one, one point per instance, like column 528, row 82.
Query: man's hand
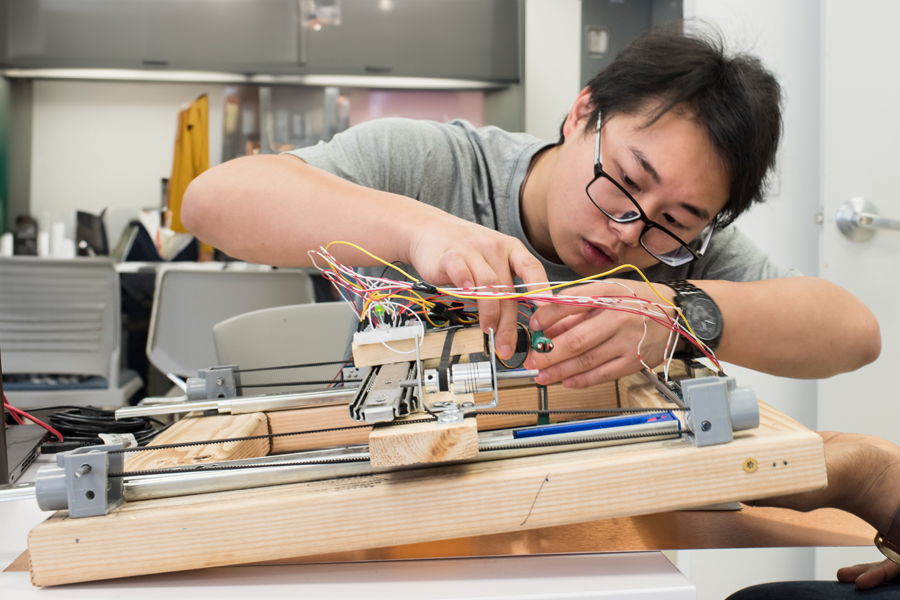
column 462, row 254
column 597, row 345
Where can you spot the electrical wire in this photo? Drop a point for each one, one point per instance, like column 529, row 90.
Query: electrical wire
column 386, row 302
column 19, row 414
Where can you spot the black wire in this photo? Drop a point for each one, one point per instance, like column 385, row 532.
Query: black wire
column 395, row 262
column 83, row 424
column 318, row 364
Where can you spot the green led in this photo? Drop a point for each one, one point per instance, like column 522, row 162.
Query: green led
column 540, row 342
column 379, row 310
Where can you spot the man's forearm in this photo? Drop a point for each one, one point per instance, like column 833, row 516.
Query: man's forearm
column 801, row 327
column 273, row 209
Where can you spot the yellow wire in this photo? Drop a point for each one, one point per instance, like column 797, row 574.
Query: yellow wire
column 521, row 294
column 367, row 253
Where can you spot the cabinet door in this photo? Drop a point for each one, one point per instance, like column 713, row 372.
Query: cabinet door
column 470, row 39
column 226, row 34
column 63, row 33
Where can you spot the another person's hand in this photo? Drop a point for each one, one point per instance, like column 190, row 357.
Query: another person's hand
column 863, row 479
column 597, row 345
column 457, row 253
column 869, row 575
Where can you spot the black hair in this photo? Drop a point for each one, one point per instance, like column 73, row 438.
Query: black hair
column 735, row 98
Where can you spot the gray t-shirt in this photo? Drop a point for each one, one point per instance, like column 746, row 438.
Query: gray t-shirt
column 477, row 173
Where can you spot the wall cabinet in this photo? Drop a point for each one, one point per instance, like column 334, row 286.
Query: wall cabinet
column 467, row 39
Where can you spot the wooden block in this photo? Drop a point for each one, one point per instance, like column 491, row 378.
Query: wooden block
column 438, row 503
column 465, row 341
column 195, row 428
column 314, row 419
column 396, row 446
column 517, row 398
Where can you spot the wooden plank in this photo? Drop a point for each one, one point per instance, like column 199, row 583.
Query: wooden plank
column 465, row 341
column 473, row 499
column 197, row 428
column 423, row 443
column 516, row 398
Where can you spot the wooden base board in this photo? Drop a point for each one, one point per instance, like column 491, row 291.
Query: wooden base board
column 438, row 503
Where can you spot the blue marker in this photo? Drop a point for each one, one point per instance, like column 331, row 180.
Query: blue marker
column 594, row 424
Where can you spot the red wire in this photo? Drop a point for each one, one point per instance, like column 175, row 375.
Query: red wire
column 18, row 412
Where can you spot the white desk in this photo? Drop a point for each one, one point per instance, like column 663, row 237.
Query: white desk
column 637, row 576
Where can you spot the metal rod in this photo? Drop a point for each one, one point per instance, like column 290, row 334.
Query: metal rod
column 243, row 405
column 20, row 491
column 239, row 406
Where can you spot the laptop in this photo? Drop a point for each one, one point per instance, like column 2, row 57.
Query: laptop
column 23, row 444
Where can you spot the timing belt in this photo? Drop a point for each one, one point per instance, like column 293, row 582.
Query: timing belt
column 296, row 383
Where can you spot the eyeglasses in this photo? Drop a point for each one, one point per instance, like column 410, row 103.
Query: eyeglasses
column 661, row 243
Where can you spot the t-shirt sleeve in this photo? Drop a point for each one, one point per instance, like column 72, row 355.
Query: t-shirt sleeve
column 733, row 256
column 401, row 156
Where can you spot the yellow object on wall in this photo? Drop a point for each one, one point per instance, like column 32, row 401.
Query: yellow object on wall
column 191, row 155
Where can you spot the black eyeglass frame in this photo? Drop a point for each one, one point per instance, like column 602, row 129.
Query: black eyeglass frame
column 641, row 215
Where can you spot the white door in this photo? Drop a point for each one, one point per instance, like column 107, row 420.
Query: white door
column 861, row 158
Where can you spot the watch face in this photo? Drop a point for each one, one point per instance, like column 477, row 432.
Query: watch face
column 703, row 317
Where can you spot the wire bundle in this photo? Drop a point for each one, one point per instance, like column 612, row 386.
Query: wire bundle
column 389, row 302
column 83, row 425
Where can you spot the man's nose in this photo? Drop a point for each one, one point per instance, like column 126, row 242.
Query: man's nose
column 629, row 233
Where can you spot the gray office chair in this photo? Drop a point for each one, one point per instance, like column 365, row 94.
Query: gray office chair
column 62, row 317
column 188, row 302
column 287, row 335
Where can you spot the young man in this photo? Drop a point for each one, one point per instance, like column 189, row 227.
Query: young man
column 658, row 154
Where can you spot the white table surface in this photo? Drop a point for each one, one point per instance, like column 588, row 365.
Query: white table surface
column 637, row 576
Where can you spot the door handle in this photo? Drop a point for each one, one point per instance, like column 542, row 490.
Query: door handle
column 858, row 219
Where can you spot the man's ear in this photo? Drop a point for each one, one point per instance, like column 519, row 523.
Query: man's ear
column 580, row 110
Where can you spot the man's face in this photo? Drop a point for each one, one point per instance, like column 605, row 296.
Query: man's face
column 670, row 168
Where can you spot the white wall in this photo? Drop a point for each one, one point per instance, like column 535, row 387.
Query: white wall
column 99, row 145
column 552, row 64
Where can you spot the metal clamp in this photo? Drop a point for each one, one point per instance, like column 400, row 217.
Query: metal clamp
column 80, row 483
column 471, row 381
column 214, row 383
column 716, row 408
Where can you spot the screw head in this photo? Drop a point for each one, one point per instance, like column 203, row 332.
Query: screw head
column 705, row 425
column 750, row 465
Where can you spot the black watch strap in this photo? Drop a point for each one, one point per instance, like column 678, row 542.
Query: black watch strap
column 685, row 289
column 683, row 286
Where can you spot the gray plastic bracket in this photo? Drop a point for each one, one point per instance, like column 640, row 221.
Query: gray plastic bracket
column 214, row 383
column 717, row 408
column 80, row 482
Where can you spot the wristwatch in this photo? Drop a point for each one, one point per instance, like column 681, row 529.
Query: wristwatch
column 700, row 312
column 889, row 543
